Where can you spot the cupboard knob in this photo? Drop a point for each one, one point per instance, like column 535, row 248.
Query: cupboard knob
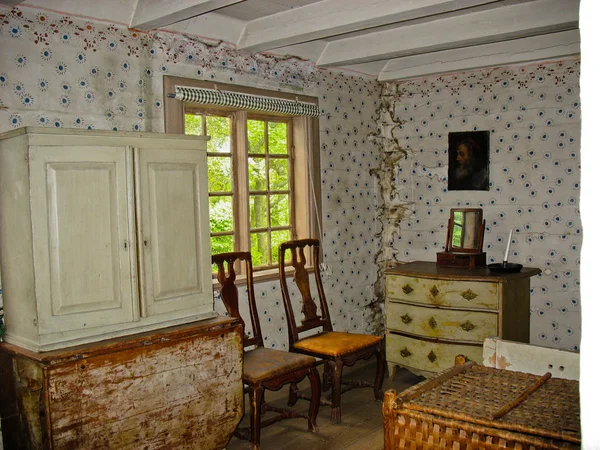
column 467, row 326
column 406, row 319
column 431, row 356
column 432, row 323
column 405, row 353
column 468, row 294
column 407, row 289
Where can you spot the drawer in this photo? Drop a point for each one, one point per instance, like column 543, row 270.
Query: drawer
column 464, row 294
column 441, row 323
column 428, row 356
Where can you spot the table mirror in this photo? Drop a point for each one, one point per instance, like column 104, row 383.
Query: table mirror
column 464, row 241
column 465, row 230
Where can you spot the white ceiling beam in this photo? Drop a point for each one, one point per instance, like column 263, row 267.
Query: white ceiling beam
column 333, row 17
column 482, row 27
column 11, row 2
column 536, row 48
column 152, row 14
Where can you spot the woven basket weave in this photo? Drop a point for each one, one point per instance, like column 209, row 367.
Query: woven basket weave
column 476, row 407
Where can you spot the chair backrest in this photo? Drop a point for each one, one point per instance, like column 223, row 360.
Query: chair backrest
column 312, row 319
column 229, row 292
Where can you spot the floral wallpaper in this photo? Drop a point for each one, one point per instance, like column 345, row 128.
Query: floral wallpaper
column 384, row 155
column 61, row 71
column 533, row 115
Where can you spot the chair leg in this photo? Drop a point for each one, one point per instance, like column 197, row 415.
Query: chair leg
column 326, row 378
column 336, row 386
column 293, row 395
column 256, row 399
column 315, row 398
column 379, row 375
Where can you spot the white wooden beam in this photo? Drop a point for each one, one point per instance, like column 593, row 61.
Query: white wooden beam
column 536, row 48
column 482, row 27
column 11, row 2
column 151, row 14
column 333, row 17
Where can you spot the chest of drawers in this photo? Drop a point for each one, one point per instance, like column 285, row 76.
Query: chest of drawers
column 435, row 313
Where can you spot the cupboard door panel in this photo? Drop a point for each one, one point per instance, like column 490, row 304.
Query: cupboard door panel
column 82, row 237
column 173, row 231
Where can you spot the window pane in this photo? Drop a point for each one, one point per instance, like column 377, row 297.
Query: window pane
column 193, row 124
column 256, row 136
column 220, row 244
column 221, row 214
column 277, row 237
column 219, row 174
column 219, row 130
column 258, row 211
column 257, row 174
column 278, row 138
column 259, row 249
column 278, row 174
column 280, row 210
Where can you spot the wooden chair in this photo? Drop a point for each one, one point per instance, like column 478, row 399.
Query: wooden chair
column 337, row 349
column 264, row 368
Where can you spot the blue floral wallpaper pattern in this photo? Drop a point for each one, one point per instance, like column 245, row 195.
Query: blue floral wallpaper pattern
column 533, row 115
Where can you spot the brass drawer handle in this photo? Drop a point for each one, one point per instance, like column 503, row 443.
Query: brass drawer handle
column 467, row 326
column 406, row 319
column 407, row 289
column 431, row 356
column 405, row 353
column 432, row 323
column 468, row 294
column 434, row 291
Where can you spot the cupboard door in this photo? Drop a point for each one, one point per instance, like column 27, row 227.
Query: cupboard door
column 82, row 237
column 173, row 231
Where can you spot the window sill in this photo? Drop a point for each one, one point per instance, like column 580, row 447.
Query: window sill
column 262, row 276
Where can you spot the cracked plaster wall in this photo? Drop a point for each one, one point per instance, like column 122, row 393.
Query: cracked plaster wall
column 533, row 114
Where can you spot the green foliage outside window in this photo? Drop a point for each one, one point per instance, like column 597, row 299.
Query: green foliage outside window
column 267, row 172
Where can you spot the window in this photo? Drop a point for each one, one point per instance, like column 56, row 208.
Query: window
column 260, row 170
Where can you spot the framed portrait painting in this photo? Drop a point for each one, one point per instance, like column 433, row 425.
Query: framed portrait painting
column 469, row 161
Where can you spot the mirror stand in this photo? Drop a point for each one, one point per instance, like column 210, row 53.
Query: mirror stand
column 464, row 241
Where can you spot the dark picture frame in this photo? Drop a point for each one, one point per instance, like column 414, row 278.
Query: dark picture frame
column 469, row 161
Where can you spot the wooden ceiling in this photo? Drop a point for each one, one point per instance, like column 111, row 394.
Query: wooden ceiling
column 387, row 39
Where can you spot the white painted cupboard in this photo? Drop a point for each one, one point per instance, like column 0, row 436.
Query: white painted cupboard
column 102, row 234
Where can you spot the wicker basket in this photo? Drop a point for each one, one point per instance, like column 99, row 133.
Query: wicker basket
column 475, row 407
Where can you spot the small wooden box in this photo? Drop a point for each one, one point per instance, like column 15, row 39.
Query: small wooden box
column 465, row 260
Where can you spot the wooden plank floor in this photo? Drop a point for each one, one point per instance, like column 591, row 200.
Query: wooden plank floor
column 362, row 418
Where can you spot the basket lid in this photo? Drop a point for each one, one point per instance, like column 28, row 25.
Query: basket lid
column 501, row 399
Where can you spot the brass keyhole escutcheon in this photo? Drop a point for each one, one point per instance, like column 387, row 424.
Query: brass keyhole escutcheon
column 432, row 323
column 431, row 356
column 467, row 326
column 468, row 294
column 407, row 289
column 434, row 291
column 406, row 319
column 405, row 353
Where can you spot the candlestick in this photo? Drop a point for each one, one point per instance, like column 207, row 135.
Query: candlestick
column 508, row 246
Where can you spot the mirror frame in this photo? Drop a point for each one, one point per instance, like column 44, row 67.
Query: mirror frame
column 481, row 229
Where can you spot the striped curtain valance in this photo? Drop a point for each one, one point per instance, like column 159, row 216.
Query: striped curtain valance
column 245, row 101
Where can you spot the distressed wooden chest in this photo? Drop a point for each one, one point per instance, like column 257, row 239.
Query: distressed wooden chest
column 179, row 387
